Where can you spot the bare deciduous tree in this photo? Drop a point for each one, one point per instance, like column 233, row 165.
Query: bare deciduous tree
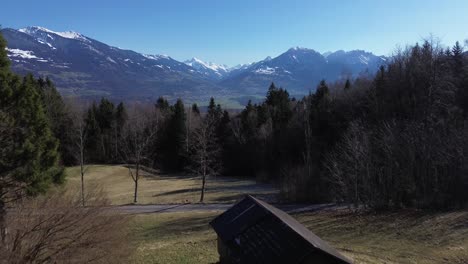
column 205, row 152
column 57, row 229
column 80, row 141
column 138, row 136
column 10, row 190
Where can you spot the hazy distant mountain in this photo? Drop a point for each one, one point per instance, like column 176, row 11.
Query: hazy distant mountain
column 300, row 69
column 82, row 66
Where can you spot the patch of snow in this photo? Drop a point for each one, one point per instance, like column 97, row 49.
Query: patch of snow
column 199, row 64
column 25, row 54
column 111, row 60
column 60, row 66
column 364, row 59
column 266, row 70
column 93, row 49
column 46, row 43
column 155, row 57
column 299, row 48
column 66, row 34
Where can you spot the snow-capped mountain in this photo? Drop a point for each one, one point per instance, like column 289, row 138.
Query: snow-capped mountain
column 80, row 65
column 211, row 70
column 300, row 69
column 44, row 34
column 83, row 66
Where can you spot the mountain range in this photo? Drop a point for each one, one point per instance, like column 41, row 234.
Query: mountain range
column 85, row 67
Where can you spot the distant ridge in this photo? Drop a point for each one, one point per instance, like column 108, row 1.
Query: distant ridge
column 82, row 66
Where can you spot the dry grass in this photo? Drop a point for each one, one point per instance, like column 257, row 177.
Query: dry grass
column 402, row 237
column 185, row 237
column 166, row 189
column 175, row 238
column 55, row 228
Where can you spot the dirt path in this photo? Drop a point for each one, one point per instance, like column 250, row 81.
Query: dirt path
column 165, row 208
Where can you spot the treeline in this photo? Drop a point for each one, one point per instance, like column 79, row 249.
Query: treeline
column 397, row 139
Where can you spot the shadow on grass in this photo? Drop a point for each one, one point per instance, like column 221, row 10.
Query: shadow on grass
column 233, row 198
column 178, row 227
column 192, row 190
column 432, row 227
column 242, row 189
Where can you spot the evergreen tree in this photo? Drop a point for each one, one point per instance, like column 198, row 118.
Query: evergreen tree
column 347, row 85
column 59, row 118
column 33, row 161
column 458, row 61
column 28, row 150
column 195, row 109
column 214, row 111
column 121, row 115
column 172, row 146
column 105, row 115
column 277, row 103
column 121, row 118
column 322, row 90
column 92, row 132
column 4, row 61
column 460, row 76
column 162, row 104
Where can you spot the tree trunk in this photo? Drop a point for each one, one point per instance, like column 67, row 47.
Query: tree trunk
column 136, row 182
column 82, row 171
column 82, row 186
column 3, row 229
column 202, row 196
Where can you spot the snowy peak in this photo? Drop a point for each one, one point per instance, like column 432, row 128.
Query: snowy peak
column 195, row 62
column 41, row 32
column 299, row 49
column 355, row 57
column 156, row 57
column 209, row 69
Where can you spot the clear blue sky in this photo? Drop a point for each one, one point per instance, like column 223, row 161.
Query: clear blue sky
column 240, row 31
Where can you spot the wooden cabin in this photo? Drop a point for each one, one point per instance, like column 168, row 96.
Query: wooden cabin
column 253, row 231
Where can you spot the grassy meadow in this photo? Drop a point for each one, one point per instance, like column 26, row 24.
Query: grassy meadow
column 165, row 189
column 403, row 237
column 185, row 237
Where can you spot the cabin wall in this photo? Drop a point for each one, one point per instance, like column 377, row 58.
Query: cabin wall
column 225, row 256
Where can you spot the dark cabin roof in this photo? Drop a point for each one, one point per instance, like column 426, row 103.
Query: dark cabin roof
column 261, row 233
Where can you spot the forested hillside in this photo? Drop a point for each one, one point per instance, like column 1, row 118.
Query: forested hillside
column 397, row 139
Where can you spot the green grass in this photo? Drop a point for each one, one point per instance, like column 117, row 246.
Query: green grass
column 401, row 237
column 165, row 189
